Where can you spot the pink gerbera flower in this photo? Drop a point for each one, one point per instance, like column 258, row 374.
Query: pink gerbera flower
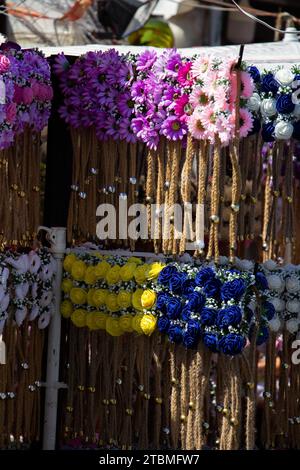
column 198, row 97
column 184, row 74
column 247, row 85
column 196, row 127
column 246, row 122
column 208, row 117
column 200, row 66
column 182, row 107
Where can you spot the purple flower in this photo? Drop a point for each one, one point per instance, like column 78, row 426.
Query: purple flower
column 146, row 60
column 173, row 128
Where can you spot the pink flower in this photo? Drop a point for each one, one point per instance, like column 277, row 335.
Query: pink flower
column 11, row 112
column 182, row 107
column 184, row 74
column 27, row 95
column 4, row 63
column 220, row 99
column 208, row 117
column 246, row 122
column 200, row 66
column 247, row 85
column 198, row 97
column 18, row 95
column 196, row 127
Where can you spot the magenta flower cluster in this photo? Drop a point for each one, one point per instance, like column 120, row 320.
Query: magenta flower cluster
column 152, row 95
column 26, row 91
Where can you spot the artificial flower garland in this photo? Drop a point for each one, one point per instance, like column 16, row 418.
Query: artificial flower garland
column 186, row 301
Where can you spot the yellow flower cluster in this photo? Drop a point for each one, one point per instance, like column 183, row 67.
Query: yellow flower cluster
column 103, row 303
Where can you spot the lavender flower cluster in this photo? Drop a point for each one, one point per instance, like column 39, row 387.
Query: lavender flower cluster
column 26, row 91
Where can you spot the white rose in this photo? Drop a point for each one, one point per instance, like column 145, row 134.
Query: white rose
column 279, row 304
column 284, row 76
column 246, row 265
column 292, row 284
column 275, row 324
column 283, row 130
column 223, row 260
column 292, row 325
column 270, row 265
column 274, row 282
column 268, row 107
column 293, row 306
column 254, row 102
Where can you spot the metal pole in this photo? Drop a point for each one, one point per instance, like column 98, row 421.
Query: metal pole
column 57, row 238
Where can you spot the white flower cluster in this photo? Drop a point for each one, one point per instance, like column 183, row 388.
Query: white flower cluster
column 284, row 285
column 26, row 287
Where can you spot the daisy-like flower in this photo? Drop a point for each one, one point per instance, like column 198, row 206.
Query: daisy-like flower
column 61, row 64
column 208, row 117
column 247, row 85
column 196, row 127
column 182, row 107
column 246, row 122
column 173, row 128
column 146, row 60
column 184, row 74
column 200, row 67
column 198, row 97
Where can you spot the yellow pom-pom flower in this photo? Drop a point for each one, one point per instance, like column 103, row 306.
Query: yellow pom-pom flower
column 148, row 298
column 136, row 299
column 99, row 297
column 124, row 298
column 112, row 326
column 136, row 323
column 78, row 317
column 141, row 273
column 100, row 320
column 78, row 270
column 148, row 324
column 69, row 261
column 90, row 297
column 111, row 302
column 101, row 269
column 154, row 270
column 66, row 308
column 78, row 295
column 125, row 322
column 90, row 321
column 66, row 285
column 113, row 275
column 127, row 271
column 90, row 276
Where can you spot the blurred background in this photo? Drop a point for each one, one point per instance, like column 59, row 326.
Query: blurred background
column 161, row 23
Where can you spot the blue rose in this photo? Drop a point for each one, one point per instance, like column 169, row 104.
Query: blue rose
column 269, row 84
column 254, row 72
column 186, row 313
column 188, row 286
column 208, row 317
column 261, row 281
column 233, row 290
column 232, row 344
column 162, row 301
column 262, row 336
column 211, row 341
column 268, row 310
column 296, row 133
column 192, row 334
column 212, row 287
column 284, row 104
column 256, row 125
column 196, row 301
column 175, row 334
column 229, row 316
column 166, row 273
column 267, row 132
column 176, row 281
column 174, row 308
column 204, row 275
column 163, row 324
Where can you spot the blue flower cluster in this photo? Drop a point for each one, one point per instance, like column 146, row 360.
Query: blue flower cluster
column 273, row 103
column 209, row 304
